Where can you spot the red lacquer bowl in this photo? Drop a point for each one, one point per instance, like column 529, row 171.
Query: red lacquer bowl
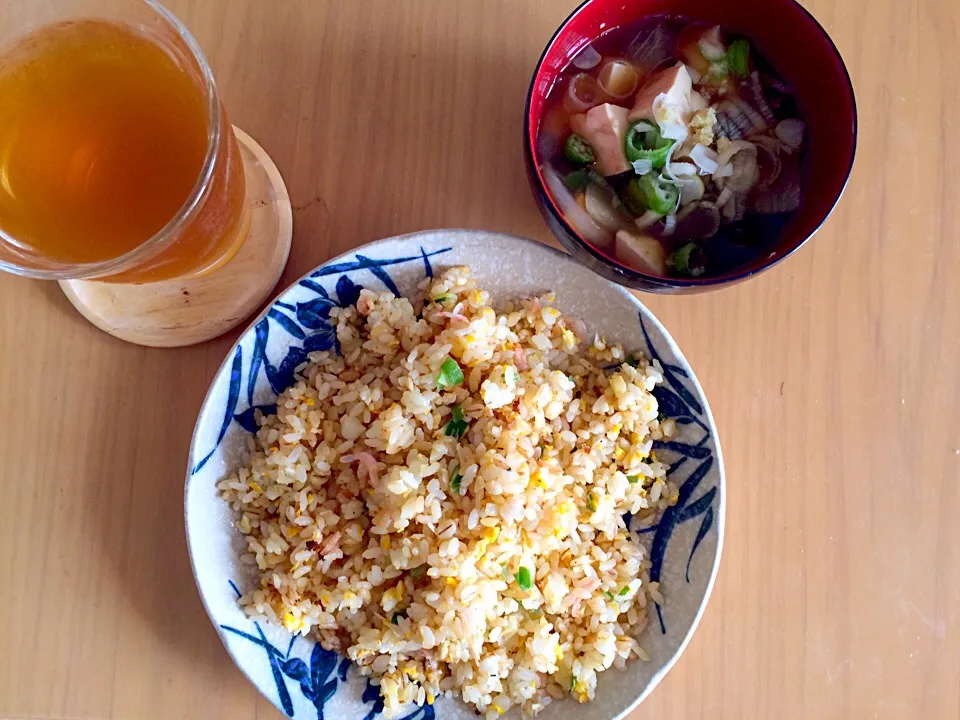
column 802, row 52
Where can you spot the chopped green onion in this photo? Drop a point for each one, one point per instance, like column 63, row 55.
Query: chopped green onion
column 623, row 591
column 644, row 142
column 632, row 362
column 450, row 374
column 455, row 482
column 578, row 150
column 660, row 196
column 418, row 572
column 577, row 180
column 591, row 502
column 573, row 682
column 657, row 157
column 444, row 298
column 633, row 479
column 515, row 374
column 458, row 425
column 661, row 417
column 524, row 580
column 688, row 260
column 608, row 594
column 738, row 57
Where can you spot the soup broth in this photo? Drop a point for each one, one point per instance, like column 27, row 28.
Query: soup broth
column 674, row 148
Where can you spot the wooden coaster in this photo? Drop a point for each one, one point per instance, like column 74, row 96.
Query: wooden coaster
column 179, row 312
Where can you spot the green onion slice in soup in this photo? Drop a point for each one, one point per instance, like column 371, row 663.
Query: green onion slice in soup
column 688, row 260
column 738, row 57
column 659, row 195
column 577, row 180
column 578, row 151
column 644, row 142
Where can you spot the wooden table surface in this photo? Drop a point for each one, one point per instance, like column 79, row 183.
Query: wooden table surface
column 835, row 378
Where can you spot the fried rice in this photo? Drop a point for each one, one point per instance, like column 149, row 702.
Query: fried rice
column 442, row 501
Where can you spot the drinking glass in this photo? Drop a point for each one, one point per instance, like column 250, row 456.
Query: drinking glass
column 73, row 196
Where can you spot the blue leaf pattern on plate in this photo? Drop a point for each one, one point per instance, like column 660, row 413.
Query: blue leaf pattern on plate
column 282, row 377
column 364, row 263
column 296, row 669
column 348, row 292
column 427, row 267
column 285, row 700
column 371, row 694
column 315, row 286
column 286, row 323
column 702, row 531
column 315, row 313
column 232, row 398
column 261, row 335
column 382, row 275
column 323, row 339
column 677, row 401
column 247, row 418
column 318, row 682
column 685, row 449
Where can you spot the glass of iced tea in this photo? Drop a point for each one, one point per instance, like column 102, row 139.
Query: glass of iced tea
column 117, row 161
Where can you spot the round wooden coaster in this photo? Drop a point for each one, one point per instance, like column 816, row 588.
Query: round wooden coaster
column 179, row 312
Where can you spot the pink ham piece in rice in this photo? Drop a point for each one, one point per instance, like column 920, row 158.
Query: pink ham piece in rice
column 451, row 315
column 589, row 585
column 520, row 359
column 367, row 462
column 455, row 314
column 330, row 544
column 581, row 591
column 364, row 304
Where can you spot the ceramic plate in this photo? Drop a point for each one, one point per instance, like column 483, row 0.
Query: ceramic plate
column 302, row 679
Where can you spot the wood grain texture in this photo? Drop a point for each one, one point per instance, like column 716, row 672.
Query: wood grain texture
column 835, row 378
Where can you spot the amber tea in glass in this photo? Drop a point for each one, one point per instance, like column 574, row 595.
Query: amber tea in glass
column 117, row 161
